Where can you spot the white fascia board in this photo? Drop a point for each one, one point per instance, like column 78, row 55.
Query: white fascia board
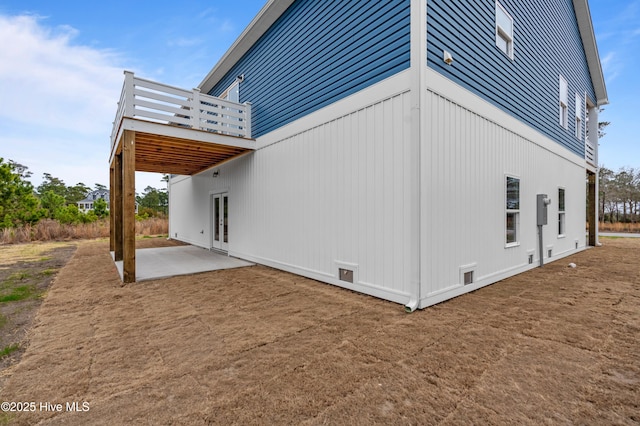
column 585, row 24
column 258, row 26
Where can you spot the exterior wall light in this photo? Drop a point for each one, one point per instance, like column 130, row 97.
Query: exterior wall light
column 447, row 58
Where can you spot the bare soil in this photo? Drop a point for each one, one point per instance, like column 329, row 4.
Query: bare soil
column 556, row 345
column 26, row 271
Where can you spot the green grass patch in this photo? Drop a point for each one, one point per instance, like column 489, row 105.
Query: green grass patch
column 6, row 418
column 8, row 350
column 19, row 276
column 17, row 293
column 44, row 259
column 48, row 272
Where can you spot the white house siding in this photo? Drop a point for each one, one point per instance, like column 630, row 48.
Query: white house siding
column 472, row 146
column 339, row 186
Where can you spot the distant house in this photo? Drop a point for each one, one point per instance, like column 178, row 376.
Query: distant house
column 411, row 150
column 87, row 204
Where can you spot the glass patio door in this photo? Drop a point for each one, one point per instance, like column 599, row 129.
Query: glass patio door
column 220, row 221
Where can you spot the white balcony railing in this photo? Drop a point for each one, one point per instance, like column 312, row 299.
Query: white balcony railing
column 590, row 152
column 160, row 103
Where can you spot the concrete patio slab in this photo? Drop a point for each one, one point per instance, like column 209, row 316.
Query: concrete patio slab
column 164, row 262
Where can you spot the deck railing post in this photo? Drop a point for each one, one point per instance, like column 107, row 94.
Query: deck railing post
column 129, row 85
column 247, row 119
column 195, row 109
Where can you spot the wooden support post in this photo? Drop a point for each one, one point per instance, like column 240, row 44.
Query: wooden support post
column 129, row 205
column 116, row 212
column 112, row 227
column 592, row 215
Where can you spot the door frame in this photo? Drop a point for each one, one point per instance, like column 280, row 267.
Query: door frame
column 220, row 244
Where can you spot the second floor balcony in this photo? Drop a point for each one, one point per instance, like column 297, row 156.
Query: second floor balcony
column 179, row 131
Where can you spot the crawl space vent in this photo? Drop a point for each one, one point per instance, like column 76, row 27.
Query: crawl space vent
column 346, row 275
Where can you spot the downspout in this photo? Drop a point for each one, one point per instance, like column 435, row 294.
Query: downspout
column 168, row 205
column 596, row 199
column 418, row 74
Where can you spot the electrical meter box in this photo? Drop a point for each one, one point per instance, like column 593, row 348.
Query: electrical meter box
column 542, row 202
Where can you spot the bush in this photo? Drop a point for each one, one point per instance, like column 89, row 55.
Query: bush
column 69, row 215
column 53, row 230
column 147, row 212
column 100, row 208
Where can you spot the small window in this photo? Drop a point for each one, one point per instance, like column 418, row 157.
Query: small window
column 504, row 31
column 232, row 93
column 563, row 102
column 512, row 210
column 561, row 212
column 578, row 117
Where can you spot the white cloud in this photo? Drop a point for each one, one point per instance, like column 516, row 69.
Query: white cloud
column 227, row 26
column 184, row 42
column 58, row 102
column 611, row 66
column 47, row 81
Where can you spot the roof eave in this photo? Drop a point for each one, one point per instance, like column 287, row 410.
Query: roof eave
column 267, row 16
column 585, row 24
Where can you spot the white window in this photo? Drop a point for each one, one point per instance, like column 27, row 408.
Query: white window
column 504, row 30
column 232, row 93
column 512, row 210
column 564, row 101
column 578, row 116
column 561, row 212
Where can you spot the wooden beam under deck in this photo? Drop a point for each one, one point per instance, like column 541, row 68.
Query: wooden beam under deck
column 163, row 154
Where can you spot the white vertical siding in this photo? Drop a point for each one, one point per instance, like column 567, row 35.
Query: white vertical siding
column 342, row 185
column 469, row 158
column 339, row 186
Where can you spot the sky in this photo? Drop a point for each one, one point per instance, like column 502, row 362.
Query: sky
column 62, row 63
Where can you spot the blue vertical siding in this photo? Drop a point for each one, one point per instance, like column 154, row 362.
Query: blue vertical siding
column 318, row 52
column 547, row 44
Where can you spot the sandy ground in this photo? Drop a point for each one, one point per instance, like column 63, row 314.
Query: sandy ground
column 32, row 268
column 257, row 346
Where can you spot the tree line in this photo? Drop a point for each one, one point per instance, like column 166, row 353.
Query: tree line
column 619, row 195
column 23, row 204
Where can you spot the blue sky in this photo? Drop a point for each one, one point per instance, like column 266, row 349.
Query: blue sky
column 61, row 65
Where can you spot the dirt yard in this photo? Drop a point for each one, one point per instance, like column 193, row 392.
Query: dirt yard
column 556, row 345
column 26, row 272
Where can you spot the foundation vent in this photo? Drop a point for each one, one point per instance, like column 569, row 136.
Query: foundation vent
column 347, row 272
column 346, row 275
column 530, row 259
column 468, row 273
